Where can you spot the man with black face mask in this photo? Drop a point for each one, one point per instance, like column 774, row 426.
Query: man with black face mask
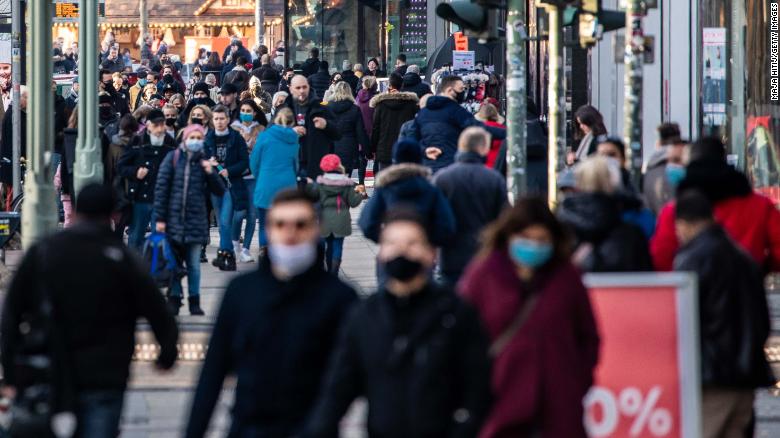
column 414, row 350
column 200, row 96
column 169, row 81
column 171, row 113
column 117, row 100
column 286, row 332
column 438, row 125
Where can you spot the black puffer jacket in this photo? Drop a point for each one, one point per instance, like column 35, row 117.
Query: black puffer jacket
column 436, row 385
column 181, row 202
column 141, row 153
column 413, row 83
column 350, row 125
column 391, row 110
column 733, row 312
column 317, row 142
column 616, row 246
column 319, row 82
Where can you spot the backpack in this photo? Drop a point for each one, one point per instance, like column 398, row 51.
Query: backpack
column 160, row 258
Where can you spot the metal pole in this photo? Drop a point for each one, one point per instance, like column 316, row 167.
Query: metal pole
column 89, row 162
column 516, row 97
column 556, row 145
column 143, row 15
column 17, row 16
column 260, row 21
column 632, row 97
column 39, row 211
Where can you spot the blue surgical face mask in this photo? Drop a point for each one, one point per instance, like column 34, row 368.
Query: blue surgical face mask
column 194, row 145
column 245, row 117
column 675, row 173
column 530, row 253
column 142, row 82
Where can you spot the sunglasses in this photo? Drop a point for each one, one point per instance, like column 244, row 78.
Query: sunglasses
column 299, row 225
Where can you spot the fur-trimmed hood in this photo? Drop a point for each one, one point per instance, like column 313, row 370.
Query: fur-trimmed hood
column 398, row 172
column 335, row 180
column 398, row 98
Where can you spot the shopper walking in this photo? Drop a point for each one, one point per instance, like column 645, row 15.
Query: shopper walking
column 391, row 110
column 349, row 122
column 544, row 340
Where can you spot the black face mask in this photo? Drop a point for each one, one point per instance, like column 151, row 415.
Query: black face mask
column 460, row 97
column 170, row 122
column 402, row 268
column 199, row 101
column 109, row 85
column 168, row 78
column 197, row 121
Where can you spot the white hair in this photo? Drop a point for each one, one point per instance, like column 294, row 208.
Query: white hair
column 283, row 94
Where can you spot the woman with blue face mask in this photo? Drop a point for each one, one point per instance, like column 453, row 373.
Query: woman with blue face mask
column 539, row 319
column 251, row 122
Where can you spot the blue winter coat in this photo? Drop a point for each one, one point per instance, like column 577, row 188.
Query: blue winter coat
column 439, row 125
column 407, row 185
column 274, row 163
column 236, row 161
column 185, row 214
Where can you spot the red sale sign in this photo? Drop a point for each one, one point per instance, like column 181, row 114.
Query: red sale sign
column 647, row 380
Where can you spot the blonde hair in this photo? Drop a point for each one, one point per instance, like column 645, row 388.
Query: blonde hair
column 341, row 91
column 285, row 118
column 142, row 112
column 177, row 96
column 150, row 86
column 206, row 113
column 487, row 113
column 597, row 174
column 473, row 138
column 369, row 82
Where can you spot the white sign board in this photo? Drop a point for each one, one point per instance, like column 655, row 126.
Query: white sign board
column 463, row 59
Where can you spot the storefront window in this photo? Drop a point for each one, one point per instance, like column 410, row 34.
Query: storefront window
column 341, row 29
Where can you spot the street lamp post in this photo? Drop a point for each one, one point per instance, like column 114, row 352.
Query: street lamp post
column 556, row 145
column 89, row 162
column 39, row 211
column 260, row 21
column 143, row 19
column 17, row 16
column 516, row 157
column 632, row 102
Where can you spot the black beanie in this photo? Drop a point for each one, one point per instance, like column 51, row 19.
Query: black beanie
column 200, row 86
column 95, row 201
column 407, row 150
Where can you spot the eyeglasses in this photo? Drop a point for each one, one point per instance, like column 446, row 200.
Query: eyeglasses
column 299, row 225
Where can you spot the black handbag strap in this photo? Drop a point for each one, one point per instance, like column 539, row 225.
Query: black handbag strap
column 498, row 345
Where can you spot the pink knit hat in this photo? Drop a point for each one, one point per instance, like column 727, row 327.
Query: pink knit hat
column 189, row 129
column 330, row 163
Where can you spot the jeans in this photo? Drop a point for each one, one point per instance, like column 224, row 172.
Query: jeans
column 250, row 214
column 262, row 240
column 98, row 413
column 334, row 248
column 142, row 216
column 223, row 206
column 191, row 255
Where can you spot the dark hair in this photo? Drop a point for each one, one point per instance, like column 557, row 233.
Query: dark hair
column 407, row 215
column 617, row 141
column 259, row 114
column 693, row 206
column 449, row 82
column 213, row 59
column 395, row 81
column 525, row 213
column 104, row 71
column 590, row 117
column 668, row 133
column 240, row 60
column 401, row 57
column 531, row 109
column 262, row 49
column 324, row 65
column 315, row 52
column 376, row 61
column 220, row 109
column 708, row 149
column 288, row 196
column 288, row 70
column 128, row 124
column 96, row 201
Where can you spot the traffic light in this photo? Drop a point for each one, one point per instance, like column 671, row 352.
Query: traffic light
column 594, row 21
column 480, row 20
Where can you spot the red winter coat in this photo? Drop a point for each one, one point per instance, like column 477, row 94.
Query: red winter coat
column 752, row 221
column 495, row 146
column 541, row 376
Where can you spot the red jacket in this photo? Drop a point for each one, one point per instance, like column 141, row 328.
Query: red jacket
column 495, row 146
column 752, row 221
column 544, row 372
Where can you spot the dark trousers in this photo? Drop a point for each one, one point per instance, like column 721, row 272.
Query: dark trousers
column 98, row 413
